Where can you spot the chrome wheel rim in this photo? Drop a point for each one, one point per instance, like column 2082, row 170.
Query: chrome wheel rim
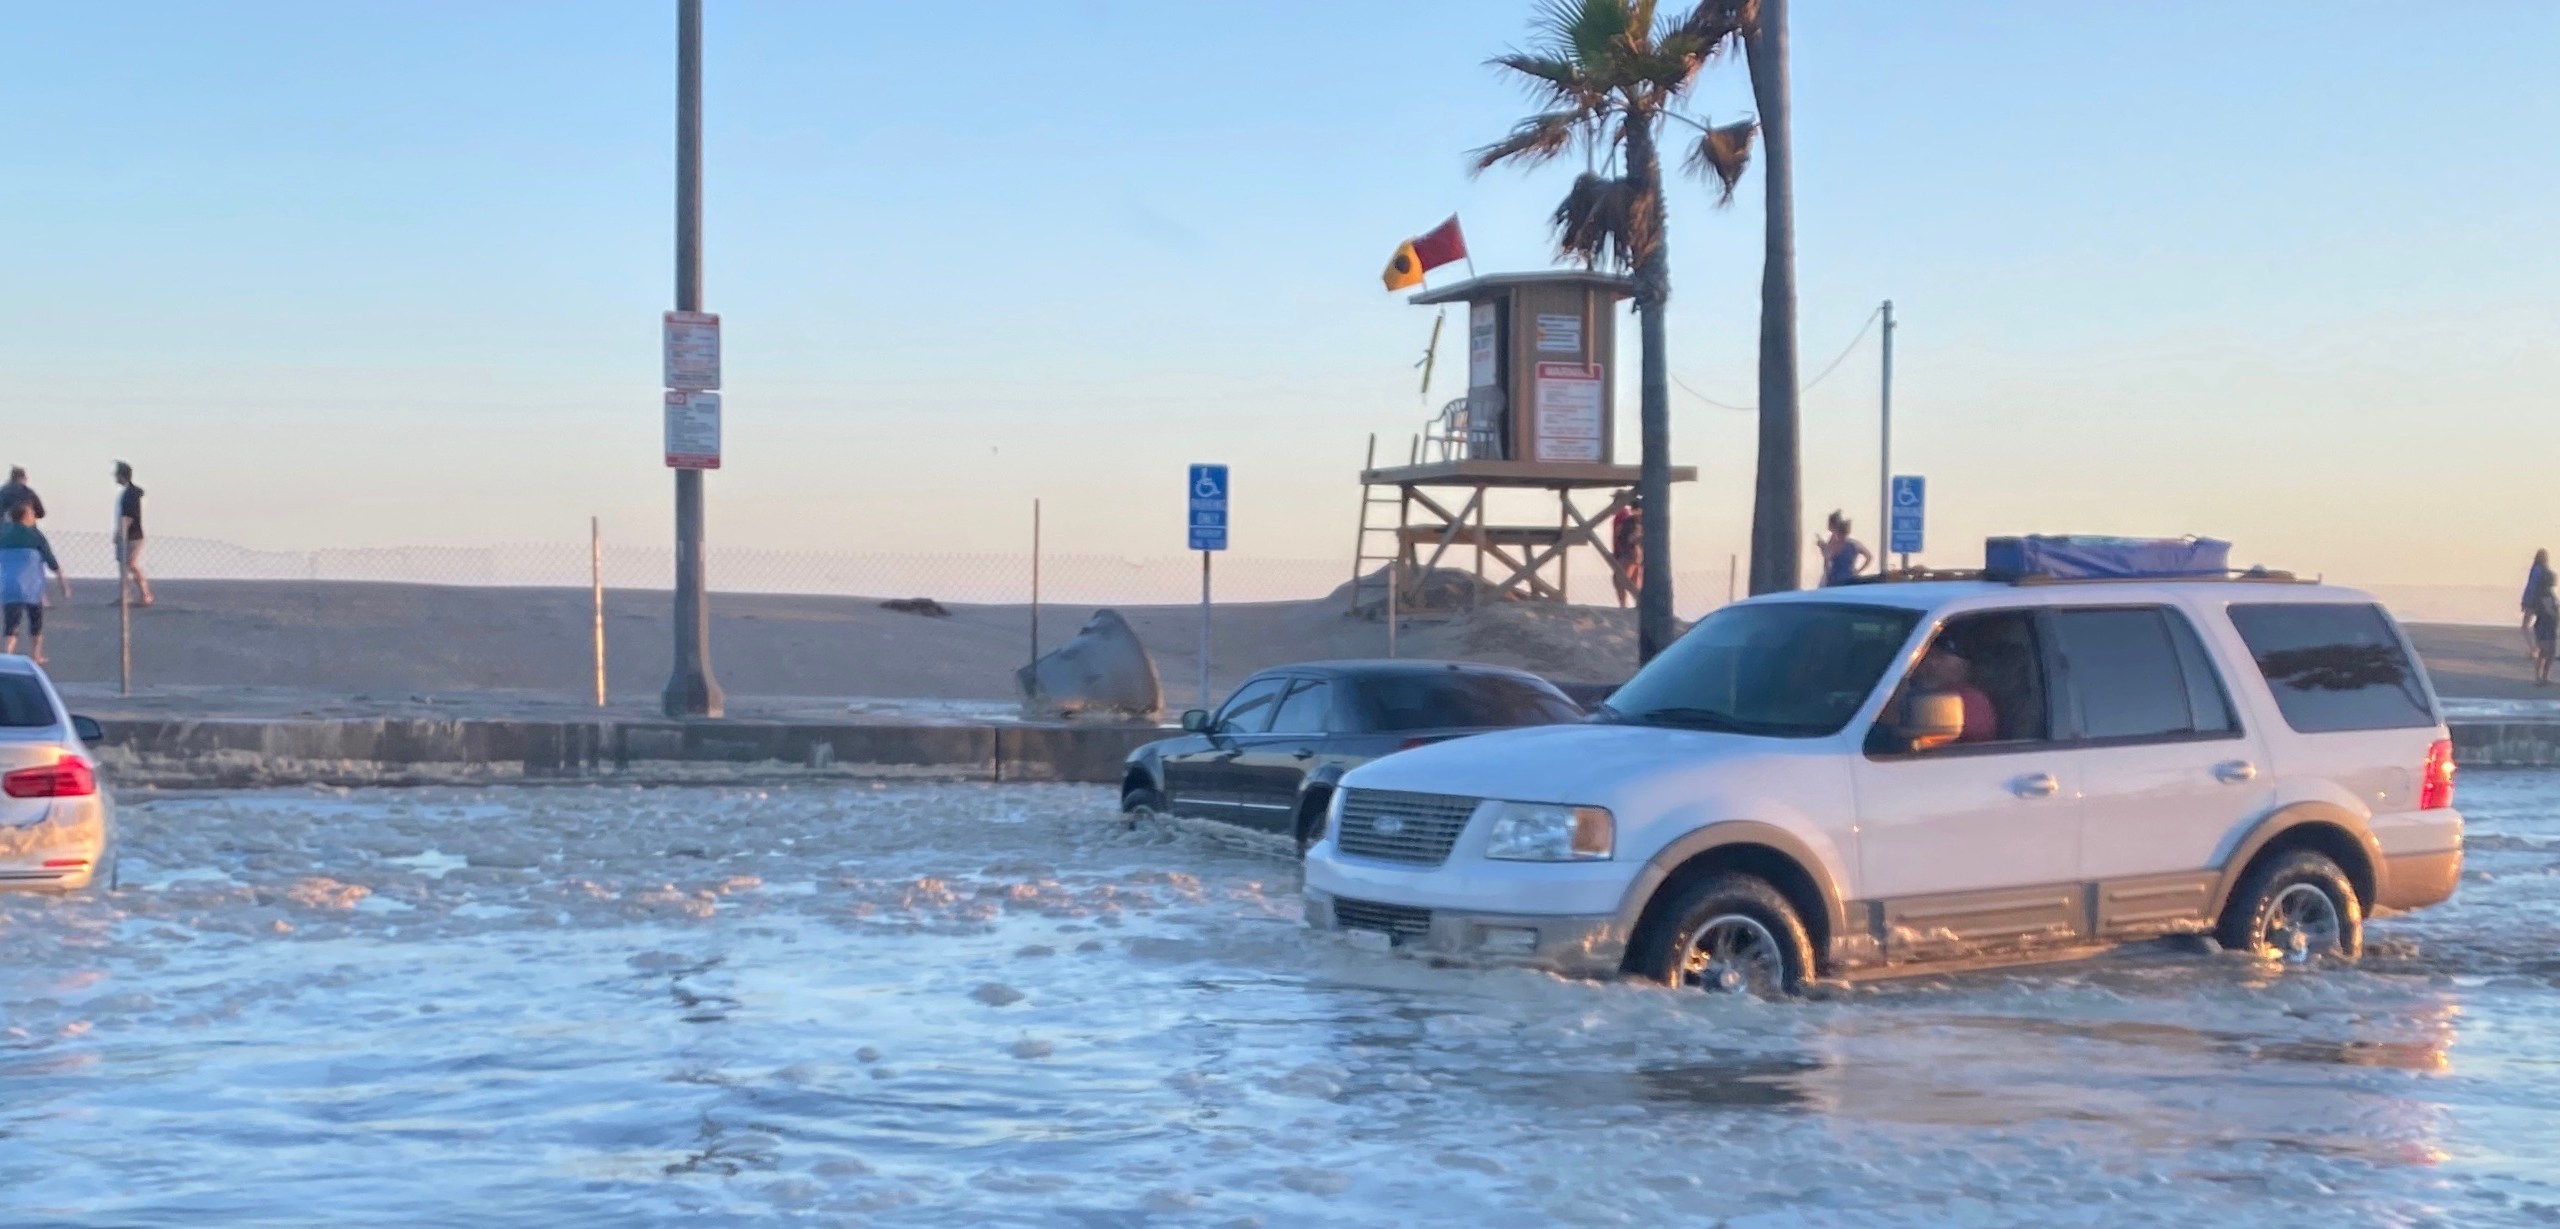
column 2302, row 924
column 1733, row 953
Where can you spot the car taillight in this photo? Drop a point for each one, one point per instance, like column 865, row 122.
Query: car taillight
column 70, row 777
column 1411, row 743
column 2435, row 781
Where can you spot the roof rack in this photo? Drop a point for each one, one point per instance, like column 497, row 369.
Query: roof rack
column 2261, row 575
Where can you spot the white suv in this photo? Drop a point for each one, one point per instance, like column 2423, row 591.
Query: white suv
column 1909, row 774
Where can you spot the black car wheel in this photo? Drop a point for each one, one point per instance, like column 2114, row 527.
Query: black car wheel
column 1311, row 813
column 1138, row 801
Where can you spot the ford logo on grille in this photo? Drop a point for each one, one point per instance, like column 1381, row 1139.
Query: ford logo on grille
column 1387, row 825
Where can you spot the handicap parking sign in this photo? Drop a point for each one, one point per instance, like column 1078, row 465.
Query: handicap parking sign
column 1208, row 503
column 1910, row 513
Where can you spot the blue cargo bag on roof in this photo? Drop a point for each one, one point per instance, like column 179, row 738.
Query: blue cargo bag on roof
column 2074, row 557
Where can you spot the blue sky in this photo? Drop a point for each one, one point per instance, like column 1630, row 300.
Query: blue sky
column 350, row 274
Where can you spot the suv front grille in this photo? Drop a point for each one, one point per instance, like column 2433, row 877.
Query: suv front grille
column 1397, row 921
column 1393, row 826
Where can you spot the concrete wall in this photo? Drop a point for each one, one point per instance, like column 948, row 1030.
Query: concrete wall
column 240, row 752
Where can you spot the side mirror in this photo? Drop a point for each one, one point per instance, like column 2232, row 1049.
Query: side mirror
column 1932, row 719
column 1196, row 721
column 87, row 729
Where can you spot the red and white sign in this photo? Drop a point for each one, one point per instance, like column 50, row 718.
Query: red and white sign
column 693, row 350
column 1568, row 417
column 693, row 430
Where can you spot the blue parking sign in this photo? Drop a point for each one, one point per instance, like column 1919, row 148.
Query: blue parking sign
column 1910, row 514
column 1208, row 501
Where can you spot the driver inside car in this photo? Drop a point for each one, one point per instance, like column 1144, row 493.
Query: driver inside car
column 1944, row 670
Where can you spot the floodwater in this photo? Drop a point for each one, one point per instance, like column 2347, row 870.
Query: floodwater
column 990, row 1006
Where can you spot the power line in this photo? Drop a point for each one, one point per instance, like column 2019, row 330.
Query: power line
column 1801, row 389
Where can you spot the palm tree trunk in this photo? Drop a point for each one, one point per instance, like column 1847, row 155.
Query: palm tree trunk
column 1654, row 622
column 1777, row 506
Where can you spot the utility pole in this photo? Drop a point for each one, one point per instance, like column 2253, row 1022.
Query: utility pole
column 691, row 691
column 1884, row 476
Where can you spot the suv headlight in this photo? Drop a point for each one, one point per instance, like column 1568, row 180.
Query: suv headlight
column 1540, row 832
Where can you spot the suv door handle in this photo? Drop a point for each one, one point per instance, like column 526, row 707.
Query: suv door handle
column 2235, row 771
column 2035, row 785
column 1303, row 753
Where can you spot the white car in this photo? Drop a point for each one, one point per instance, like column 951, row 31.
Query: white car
column 57, row 824
column 1898, row 775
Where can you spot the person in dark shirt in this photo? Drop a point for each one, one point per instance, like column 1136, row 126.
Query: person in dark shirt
column 16, row 491
column 2541, row 615
column 128, row 536
column 25, row 557
column 1626, row 549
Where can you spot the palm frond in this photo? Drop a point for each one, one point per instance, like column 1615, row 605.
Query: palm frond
column 1712, row 25
column 1536, row 140
column 1721, row 155
column 1589, row 31
column 1552, row 77
column 1596, row 222
column 1665, row 68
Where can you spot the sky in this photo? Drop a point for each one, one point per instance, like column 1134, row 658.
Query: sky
column 340, row 275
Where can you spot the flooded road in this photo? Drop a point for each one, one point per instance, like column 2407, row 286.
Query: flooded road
column 990, row 1006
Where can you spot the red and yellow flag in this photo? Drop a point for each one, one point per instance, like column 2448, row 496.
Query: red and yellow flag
column 1414, row 257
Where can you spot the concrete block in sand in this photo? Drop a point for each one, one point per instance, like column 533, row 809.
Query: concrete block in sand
column 1101, row 671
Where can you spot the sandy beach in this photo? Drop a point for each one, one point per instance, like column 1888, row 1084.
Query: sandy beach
column 344, row 649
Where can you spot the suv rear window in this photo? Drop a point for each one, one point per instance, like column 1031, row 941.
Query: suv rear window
column 23, row 704
column 2334, row 667
column 1451, row 700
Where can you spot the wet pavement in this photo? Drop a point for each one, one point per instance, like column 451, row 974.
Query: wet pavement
column 993, row 1006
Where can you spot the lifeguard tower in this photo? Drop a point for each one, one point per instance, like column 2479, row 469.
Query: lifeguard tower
column 1539, row 416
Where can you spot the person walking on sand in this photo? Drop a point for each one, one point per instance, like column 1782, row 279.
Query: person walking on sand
column 25, row 557
column 1626, row 549
column 1842, row 556
column 129, row 538
column 16, row 491
column 2541, row 615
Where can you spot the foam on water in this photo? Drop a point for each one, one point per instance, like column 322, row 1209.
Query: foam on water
column 975, row 1005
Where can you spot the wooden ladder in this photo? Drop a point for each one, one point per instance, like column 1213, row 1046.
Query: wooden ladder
column 1365, row 587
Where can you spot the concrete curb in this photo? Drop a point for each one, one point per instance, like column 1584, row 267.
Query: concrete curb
column 240, row 752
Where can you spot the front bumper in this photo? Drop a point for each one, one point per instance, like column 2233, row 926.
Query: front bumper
column 1567, row 943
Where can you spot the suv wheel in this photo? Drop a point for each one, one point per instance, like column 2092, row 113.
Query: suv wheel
column 2296, row 907
column 1138, row 802
column 1727, row 934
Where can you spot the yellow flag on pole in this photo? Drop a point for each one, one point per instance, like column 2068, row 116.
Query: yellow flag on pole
column 1405, row 269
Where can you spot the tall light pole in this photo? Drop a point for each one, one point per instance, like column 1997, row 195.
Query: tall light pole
column 691, row 691
column 1884, row 480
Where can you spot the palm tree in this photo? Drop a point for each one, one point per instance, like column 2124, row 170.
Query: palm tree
column 1611, row 75
column 1777, row 503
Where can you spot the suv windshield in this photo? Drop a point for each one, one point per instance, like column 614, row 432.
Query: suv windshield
column 1788, row 669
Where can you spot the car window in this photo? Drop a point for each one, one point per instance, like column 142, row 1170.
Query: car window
column 2334, row 666
column 24, row 705
column 1455, row 700
column 2126, row 679
column 1992, row 660
column 2207, row 698
column 1786, row 669
column 1249, row 710
column 1308, row 710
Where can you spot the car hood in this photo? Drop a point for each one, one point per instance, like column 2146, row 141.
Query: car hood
column 1558, row 763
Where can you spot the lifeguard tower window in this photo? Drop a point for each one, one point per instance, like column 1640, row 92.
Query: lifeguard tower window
column 1538, row 423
